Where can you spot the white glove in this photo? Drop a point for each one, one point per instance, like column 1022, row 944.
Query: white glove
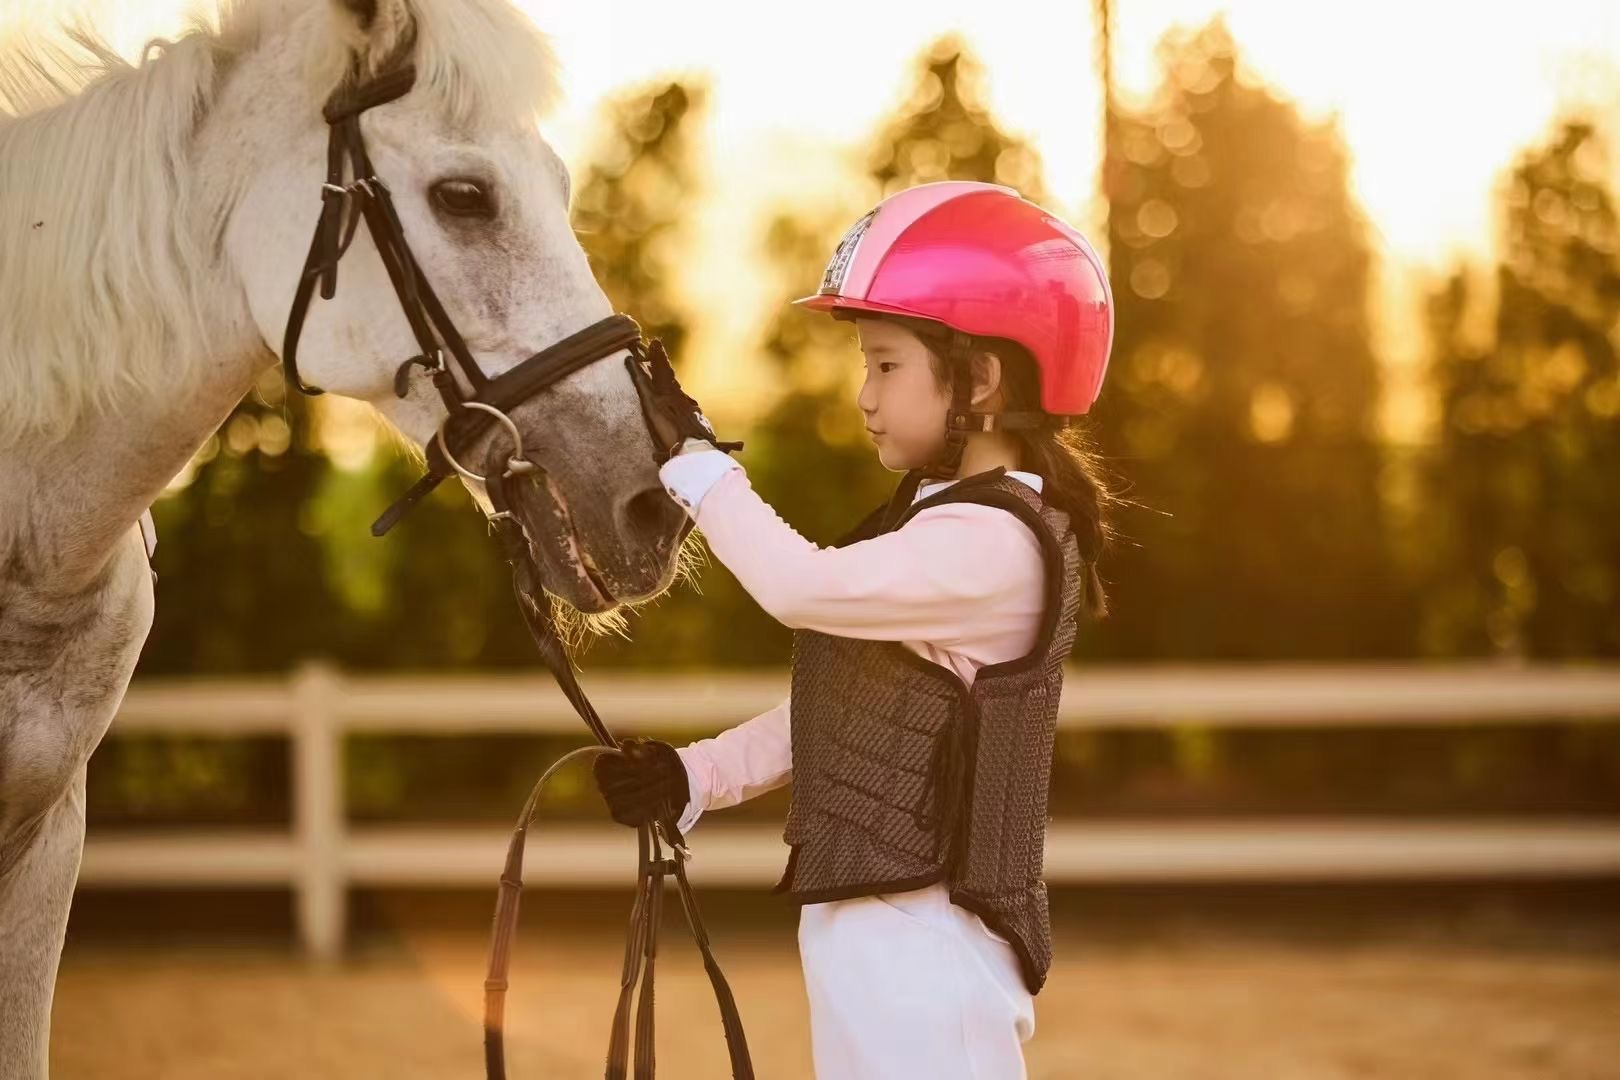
column 695, row 468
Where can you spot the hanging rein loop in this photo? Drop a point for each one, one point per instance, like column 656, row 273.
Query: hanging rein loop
column 646, row 913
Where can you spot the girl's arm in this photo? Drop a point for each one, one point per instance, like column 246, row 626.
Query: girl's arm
column 955, row 570
column 739, row 763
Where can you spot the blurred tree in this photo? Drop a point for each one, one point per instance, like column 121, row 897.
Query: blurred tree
column 1242, row 389
column 634, row 198
column 944, row 131
column 239, row 558
column 1525, row 486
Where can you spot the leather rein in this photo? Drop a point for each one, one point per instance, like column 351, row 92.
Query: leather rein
column 353, row 192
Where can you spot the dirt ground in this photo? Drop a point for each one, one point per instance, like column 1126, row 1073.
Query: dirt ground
column 1160, row 996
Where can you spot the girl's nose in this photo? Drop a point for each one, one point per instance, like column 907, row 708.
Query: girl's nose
column 866, row 401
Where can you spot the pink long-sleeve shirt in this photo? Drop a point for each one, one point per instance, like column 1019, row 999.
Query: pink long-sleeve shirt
column 961, row 584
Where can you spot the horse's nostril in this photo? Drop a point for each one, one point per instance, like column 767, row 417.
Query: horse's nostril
column 651, row 515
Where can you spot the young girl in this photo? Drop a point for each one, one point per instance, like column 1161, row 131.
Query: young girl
column 929, row 642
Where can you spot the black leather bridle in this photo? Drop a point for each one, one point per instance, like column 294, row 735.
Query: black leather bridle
column 366, row 197
column 470, row 417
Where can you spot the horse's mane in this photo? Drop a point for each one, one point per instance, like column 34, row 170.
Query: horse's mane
column 98, row 231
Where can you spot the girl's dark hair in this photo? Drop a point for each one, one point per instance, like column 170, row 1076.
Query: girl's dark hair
column 1066, row 460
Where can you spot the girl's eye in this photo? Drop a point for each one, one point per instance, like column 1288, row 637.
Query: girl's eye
column 463, row 198
column 884, row 367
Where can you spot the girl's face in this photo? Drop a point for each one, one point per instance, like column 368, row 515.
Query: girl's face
column 903, row 405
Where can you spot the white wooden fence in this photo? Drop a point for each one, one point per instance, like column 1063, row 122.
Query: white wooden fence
column 322, row 856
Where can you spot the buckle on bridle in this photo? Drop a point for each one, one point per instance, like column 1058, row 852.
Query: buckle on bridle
column 433, row 365
column 676, row 845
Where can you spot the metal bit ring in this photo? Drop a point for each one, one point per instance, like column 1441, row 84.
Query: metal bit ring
column 516, row 465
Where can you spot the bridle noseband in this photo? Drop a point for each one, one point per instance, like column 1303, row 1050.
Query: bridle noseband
column 469, row 417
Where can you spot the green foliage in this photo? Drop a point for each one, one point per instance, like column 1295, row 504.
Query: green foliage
column 239, row 558
column 1525, row 512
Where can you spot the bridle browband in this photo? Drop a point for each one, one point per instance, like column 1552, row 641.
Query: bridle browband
column 469, row 417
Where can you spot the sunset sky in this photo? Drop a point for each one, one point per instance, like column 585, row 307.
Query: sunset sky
column 1435, row 98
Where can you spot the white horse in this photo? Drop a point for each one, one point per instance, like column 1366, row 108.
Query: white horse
column 153, row 223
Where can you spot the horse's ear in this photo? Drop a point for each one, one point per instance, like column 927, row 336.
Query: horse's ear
column 376, row 30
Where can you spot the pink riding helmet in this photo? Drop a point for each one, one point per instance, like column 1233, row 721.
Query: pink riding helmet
column 983, row 260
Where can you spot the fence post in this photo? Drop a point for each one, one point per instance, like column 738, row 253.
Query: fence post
column 318, row 810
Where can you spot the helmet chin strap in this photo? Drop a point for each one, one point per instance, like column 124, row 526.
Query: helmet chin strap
column 958, row 353
column 957, row 349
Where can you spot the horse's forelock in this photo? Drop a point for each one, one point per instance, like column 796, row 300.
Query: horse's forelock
column 484, row 61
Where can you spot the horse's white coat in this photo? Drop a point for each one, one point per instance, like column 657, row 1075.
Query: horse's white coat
column 153, row 221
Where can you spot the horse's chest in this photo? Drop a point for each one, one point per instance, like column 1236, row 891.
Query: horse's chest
column 65, row 662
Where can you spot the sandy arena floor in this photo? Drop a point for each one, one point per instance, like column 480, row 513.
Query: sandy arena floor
column 1198, row 1006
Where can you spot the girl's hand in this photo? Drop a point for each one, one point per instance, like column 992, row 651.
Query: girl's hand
column 672, row 415
column 644, row 782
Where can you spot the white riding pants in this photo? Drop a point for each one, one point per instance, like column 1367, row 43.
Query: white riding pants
column 908, row 984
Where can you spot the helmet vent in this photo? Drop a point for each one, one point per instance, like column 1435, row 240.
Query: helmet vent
column 832, row 282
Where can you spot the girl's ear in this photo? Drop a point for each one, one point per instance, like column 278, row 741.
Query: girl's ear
column 375, row 30
column 986, row 376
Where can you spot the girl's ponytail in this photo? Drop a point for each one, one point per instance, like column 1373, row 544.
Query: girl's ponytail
column 1072, row 480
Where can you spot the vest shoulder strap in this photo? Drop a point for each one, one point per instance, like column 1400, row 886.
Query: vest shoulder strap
column 990, row 488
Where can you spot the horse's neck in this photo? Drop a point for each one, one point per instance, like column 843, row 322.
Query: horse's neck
column 84, row 490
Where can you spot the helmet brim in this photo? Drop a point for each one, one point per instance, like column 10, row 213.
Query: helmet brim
column 830, row 303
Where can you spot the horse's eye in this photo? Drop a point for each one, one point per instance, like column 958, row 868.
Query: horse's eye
column 463, row 198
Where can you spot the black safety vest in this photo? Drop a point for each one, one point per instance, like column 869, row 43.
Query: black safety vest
column 903, row 775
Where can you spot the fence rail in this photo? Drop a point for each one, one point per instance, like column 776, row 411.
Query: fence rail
column 322, row 856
